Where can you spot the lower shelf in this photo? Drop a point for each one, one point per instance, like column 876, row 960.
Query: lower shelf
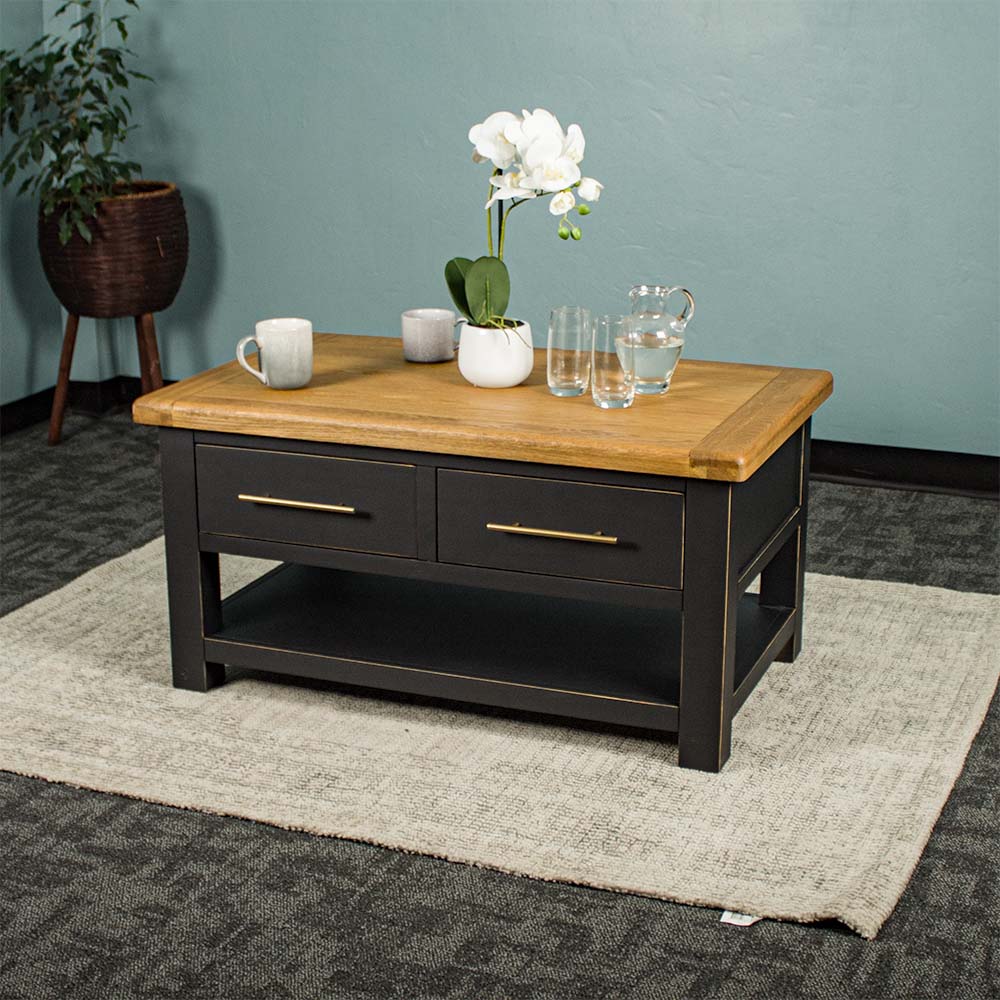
column 552, row 655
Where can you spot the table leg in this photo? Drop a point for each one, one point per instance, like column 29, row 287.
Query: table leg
column 782, row 581
column 708, row 645
column 192, row 575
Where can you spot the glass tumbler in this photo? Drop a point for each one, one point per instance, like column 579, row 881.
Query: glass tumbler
column 570, row 333
column 613, row 365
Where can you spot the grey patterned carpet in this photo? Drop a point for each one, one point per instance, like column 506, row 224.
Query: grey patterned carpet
column 107, row 897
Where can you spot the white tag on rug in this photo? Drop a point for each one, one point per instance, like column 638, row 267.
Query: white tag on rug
column 738, row 919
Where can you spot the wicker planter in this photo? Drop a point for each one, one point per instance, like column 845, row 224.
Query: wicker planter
column 136, row 261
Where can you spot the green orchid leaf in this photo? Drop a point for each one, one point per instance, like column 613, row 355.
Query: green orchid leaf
column 487, row 289
column 454, row 274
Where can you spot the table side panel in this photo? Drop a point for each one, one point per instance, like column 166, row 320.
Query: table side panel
column 765, row 501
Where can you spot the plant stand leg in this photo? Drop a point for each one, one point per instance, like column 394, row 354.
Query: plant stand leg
column 146, row 332
column 62, row 383
column 140, row 344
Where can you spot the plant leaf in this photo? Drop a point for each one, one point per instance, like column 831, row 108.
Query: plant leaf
column 487, row 289
column 454, row 274
column 62, row 103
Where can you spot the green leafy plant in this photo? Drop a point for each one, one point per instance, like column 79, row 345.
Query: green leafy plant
column 64, row 100
column 480, row 289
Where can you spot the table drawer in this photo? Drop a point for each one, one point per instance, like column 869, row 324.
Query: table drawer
column 291, row 497
column 519, row 523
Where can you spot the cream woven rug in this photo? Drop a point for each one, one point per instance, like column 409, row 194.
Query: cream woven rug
column 841, row 762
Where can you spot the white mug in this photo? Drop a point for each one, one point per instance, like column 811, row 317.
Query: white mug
column 284, row 352
column 428, row 334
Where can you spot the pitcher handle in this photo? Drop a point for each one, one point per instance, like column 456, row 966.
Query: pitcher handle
column 458, row 325
column 687, row 313
column 241, row 357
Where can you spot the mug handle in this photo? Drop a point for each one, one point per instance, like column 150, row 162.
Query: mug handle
column 687, row 313
column 241, row 357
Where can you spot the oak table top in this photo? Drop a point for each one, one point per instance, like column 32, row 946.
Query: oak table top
column 718, row 421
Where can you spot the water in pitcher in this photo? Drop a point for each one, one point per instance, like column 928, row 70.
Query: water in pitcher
column 656, row 355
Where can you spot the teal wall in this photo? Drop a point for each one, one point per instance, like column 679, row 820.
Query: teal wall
column 823, row 176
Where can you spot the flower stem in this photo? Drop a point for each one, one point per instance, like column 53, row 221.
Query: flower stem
column 499, row 230
column 503, row 224
column 489, row 221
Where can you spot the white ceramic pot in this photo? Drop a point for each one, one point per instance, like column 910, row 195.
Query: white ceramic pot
column 495, row 359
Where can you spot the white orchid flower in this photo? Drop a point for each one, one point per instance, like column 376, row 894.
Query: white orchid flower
column 488, row 138
column 550, row 175
column 532, row 127
column 508, row 186
column 590, row 190
column 562, row 202
column 546, row 154
column 575, row 143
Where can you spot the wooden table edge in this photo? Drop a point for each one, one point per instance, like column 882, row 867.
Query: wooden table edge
column 156, row 408
column 740, row 445
column 480, row 442
column 731, row 452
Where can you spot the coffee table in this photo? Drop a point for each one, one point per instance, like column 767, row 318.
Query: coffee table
column 497, row 547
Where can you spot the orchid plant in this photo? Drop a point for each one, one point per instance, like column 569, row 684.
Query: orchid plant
column 531, row 157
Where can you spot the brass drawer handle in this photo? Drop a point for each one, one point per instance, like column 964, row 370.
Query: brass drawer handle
column 574, row 536
column 332, row 508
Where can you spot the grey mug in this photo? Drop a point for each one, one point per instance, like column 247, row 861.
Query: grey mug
column 284, row 352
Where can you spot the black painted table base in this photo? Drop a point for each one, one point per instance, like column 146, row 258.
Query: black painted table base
column 616, row 598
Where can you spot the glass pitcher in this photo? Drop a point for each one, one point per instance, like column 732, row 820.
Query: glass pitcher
column 657, row 335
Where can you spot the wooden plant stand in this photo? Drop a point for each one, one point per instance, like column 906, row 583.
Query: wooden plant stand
column 149, row 366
